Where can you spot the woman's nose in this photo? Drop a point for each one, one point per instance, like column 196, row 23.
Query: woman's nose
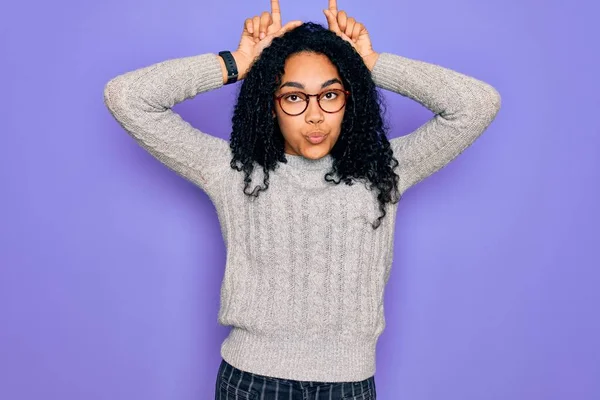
column 314, row 113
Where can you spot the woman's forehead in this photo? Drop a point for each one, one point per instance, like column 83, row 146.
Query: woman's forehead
column 309, row 69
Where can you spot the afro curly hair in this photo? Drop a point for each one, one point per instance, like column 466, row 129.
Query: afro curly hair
column 362, row 151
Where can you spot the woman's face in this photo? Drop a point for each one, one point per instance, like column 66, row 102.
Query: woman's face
column 310, row 73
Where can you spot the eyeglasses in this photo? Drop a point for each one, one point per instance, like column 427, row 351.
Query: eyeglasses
column 330, row 101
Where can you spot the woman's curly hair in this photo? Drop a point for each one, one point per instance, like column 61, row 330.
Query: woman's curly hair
column 362, row 151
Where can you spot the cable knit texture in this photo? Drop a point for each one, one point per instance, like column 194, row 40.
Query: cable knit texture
column 305, row 274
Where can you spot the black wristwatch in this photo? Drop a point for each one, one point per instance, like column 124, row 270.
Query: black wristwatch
column 232, row 72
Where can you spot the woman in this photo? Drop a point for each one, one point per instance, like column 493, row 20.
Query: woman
column 308, row 251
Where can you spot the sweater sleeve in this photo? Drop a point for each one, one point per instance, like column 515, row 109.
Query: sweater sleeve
column 464, row 107
column 141, row 102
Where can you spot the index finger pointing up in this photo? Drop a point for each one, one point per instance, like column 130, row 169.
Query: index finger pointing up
column 275, row 12
column 333, row 5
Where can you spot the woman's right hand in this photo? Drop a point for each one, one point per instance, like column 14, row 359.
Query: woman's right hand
column 258, row 33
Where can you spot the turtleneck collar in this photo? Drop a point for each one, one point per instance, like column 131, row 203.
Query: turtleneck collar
column 302, row 163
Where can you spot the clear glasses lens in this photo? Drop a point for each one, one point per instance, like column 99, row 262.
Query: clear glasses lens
column 330, row 101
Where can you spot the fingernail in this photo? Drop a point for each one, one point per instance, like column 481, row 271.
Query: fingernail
column 262, row 35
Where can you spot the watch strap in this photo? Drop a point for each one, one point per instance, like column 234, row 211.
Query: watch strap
column 232, row 72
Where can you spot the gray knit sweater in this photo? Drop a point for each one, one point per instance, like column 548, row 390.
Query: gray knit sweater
column 305, row 274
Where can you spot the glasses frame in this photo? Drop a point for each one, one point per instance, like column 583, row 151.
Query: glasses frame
column 308, row 96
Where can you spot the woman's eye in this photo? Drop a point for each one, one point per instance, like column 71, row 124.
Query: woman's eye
column 292, row 97
column 330, row 95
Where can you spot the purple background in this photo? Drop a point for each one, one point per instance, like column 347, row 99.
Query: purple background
column 111, row 264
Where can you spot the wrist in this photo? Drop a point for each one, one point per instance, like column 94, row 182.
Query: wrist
column 242, row 63
column 371, row 59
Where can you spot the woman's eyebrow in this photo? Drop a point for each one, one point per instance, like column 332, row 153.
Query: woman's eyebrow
column 301, row 86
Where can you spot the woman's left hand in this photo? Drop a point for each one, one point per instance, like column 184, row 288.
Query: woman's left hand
column 351, row 31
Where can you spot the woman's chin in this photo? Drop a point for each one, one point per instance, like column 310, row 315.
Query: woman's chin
column 315, row 152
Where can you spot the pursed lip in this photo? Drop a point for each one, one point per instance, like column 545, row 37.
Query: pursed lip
column 316, row 134
column 316, row 137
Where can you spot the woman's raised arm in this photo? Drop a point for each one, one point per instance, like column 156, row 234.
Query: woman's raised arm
column 464, row 108
column 142, row 100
